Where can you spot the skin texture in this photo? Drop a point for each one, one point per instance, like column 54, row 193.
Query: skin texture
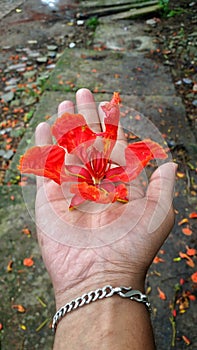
column 112, row 323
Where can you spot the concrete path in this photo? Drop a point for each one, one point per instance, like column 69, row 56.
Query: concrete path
column 120, row 63
column 8, row 6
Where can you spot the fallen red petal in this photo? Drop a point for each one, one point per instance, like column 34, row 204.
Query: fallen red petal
column 194, row 277
column 162, row 295
column 28, row 262
column 193, row 215
column 187, row 231
column 19, row 308
column 186, row 340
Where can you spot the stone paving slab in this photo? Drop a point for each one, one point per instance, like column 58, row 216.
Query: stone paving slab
column 107, row 71
column 124, row 37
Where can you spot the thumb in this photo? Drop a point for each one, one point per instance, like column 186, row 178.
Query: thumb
column 160, row 194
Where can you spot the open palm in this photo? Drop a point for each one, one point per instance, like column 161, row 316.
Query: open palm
column 90, row 247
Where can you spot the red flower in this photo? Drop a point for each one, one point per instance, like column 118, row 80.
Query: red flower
column 97, row 178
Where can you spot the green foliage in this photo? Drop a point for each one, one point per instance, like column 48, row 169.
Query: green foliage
column 165, row 6
column 92, row 22
column 167, row 11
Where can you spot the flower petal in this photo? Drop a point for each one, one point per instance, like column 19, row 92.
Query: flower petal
column 88, row 192
column 111, row 121
column 122, row 193
column 72, row 132
column 81, row 174
column 98, row 194
column 117, row 174
column 44, row 161
column 139, row 154
column 76, row 201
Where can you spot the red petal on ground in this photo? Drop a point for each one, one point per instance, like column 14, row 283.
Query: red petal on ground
column 182, row 281
column 187, row 231
column 71, row 131
column 47, row 161
column 19, row 308
column 191, row 251
column 157, row 260
column 161, row 294
column 26, row 231
column 28, row 262
column 194, row 277
column 186, row 340
column 193, row 215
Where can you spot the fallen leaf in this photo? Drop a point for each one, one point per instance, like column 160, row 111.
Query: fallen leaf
column 183, row 221
column 9, row 266
column 161, row 294
column 177, row 259
column 148, row 290
column 23, row 327
column 180, row 175
column 183, row 303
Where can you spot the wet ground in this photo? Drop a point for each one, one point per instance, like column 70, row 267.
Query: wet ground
column 38, row 21
column 27, row 302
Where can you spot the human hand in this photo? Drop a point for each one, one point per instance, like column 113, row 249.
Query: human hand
column 146, row 221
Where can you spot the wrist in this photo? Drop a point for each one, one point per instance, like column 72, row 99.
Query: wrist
column 110, row 323
column 75, row 290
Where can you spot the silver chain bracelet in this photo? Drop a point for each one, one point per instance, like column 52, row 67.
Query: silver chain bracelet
column 105, row 292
